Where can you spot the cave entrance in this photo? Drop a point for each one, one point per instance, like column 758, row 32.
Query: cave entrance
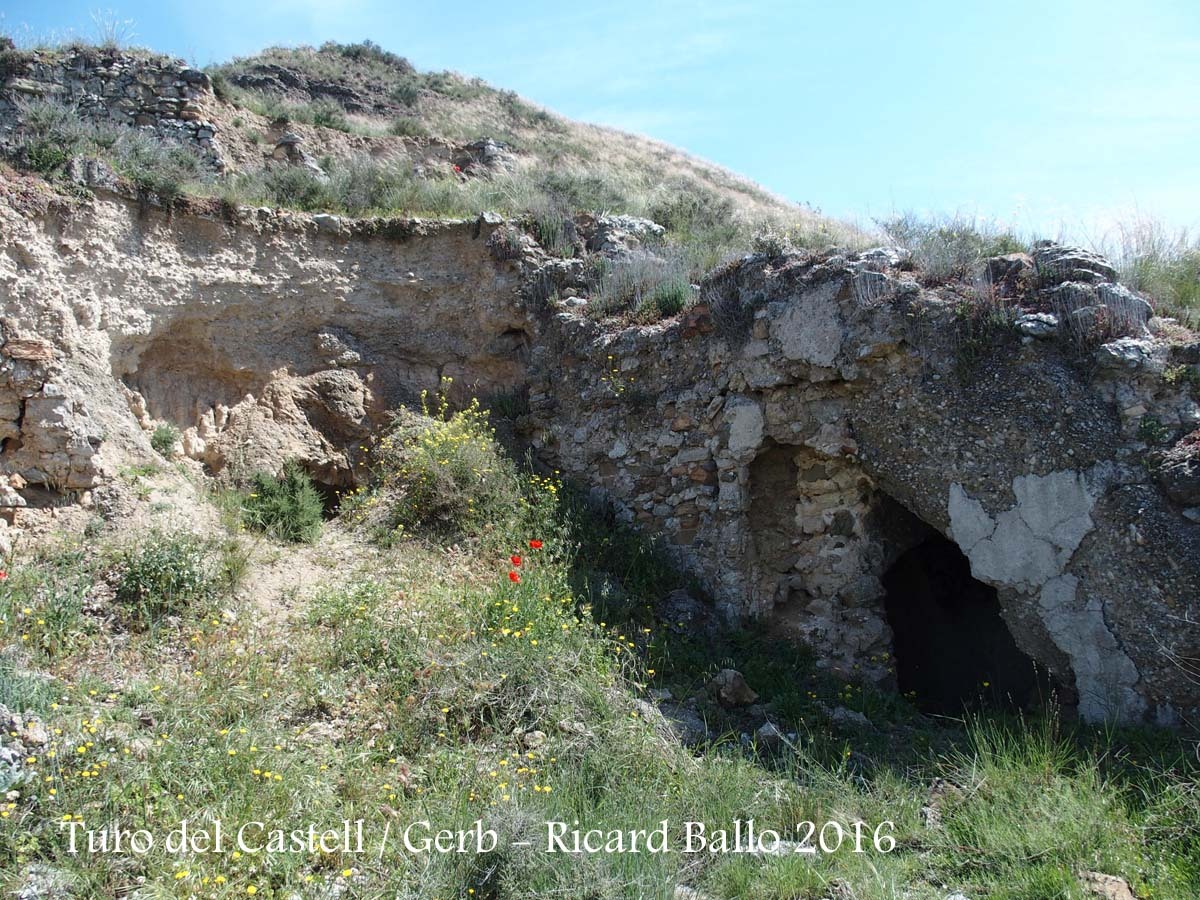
column 331, row 498
column 953, row 649
column 332, row 483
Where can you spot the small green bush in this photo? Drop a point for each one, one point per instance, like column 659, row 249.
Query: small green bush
column 770, row 243
column 222, row 89
column 406, row 126
column 286, row 507
column 407, row 92
column 644, row 288
column 665, row 300
column 555, row 231
column 291, row 186
column 164, row 438
column 163, row 576
column 368, row 51
column 524, row 113
column 12, row 60
column 1164, row 264
column 328, row 115
column 952, row 247
column 45, row 157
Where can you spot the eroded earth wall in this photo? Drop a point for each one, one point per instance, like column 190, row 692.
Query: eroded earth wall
column 261, row 338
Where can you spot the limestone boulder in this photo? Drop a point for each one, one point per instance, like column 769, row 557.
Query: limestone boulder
column 1057, row 263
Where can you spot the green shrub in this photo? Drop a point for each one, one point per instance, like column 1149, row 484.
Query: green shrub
column 328, row 115
column 163, row 170
column 290, row 186
column 12, row 61
column 53, row 132
column 368, row 51
column 455, row 86
column 1152, row 431
column 407, row 92
column 406, row 126
column 164, row 437
column 665, row 300
column 524, row 113
column 45, row 157
column 286, row 507
column 555, row 231
column 222, row 89
column 951, row 247
column 770, row 243
column 687, row 208
column 510, row 403
column 1163, row 264
column 162, row 576
column 647, row 288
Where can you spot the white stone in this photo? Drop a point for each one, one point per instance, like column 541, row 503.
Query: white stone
column 746, row 425
column 810, row 329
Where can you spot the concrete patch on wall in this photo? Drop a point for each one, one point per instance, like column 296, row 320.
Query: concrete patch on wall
column 810, row 330
column 1028, row 547
column 1104, row 675
column 745, row 427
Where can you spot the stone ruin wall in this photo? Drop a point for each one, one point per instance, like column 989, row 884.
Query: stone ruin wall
column 790, row 464
column 165, row 96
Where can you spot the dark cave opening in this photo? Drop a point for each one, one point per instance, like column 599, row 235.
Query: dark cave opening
column 332, row 483
column 953, row 650
column 331, row 497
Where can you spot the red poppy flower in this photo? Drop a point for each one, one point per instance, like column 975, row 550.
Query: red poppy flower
column 516, row 560
column 458, row 170
column 535, row 545
column 3, row 574
column 514, row 577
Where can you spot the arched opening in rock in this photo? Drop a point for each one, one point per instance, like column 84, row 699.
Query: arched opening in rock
column 331, row 498
column 332, row 483
column 953, row 650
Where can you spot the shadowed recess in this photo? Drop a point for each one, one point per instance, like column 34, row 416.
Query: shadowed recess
column 953, row 649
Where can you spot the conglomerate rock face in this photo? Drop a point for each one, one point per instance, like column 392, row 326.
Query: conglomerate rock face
column 791, row 436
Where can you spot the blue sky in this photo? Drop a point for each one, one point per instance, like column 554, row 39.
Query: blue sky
column 1047, row 115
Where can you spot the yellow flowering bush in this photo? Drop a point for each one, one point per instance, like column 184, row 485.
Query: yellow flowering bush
column 437, row 473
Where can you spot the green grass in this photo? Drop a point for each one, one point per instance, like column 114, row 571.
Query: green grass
column 1163, row 263
column 950, row 246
